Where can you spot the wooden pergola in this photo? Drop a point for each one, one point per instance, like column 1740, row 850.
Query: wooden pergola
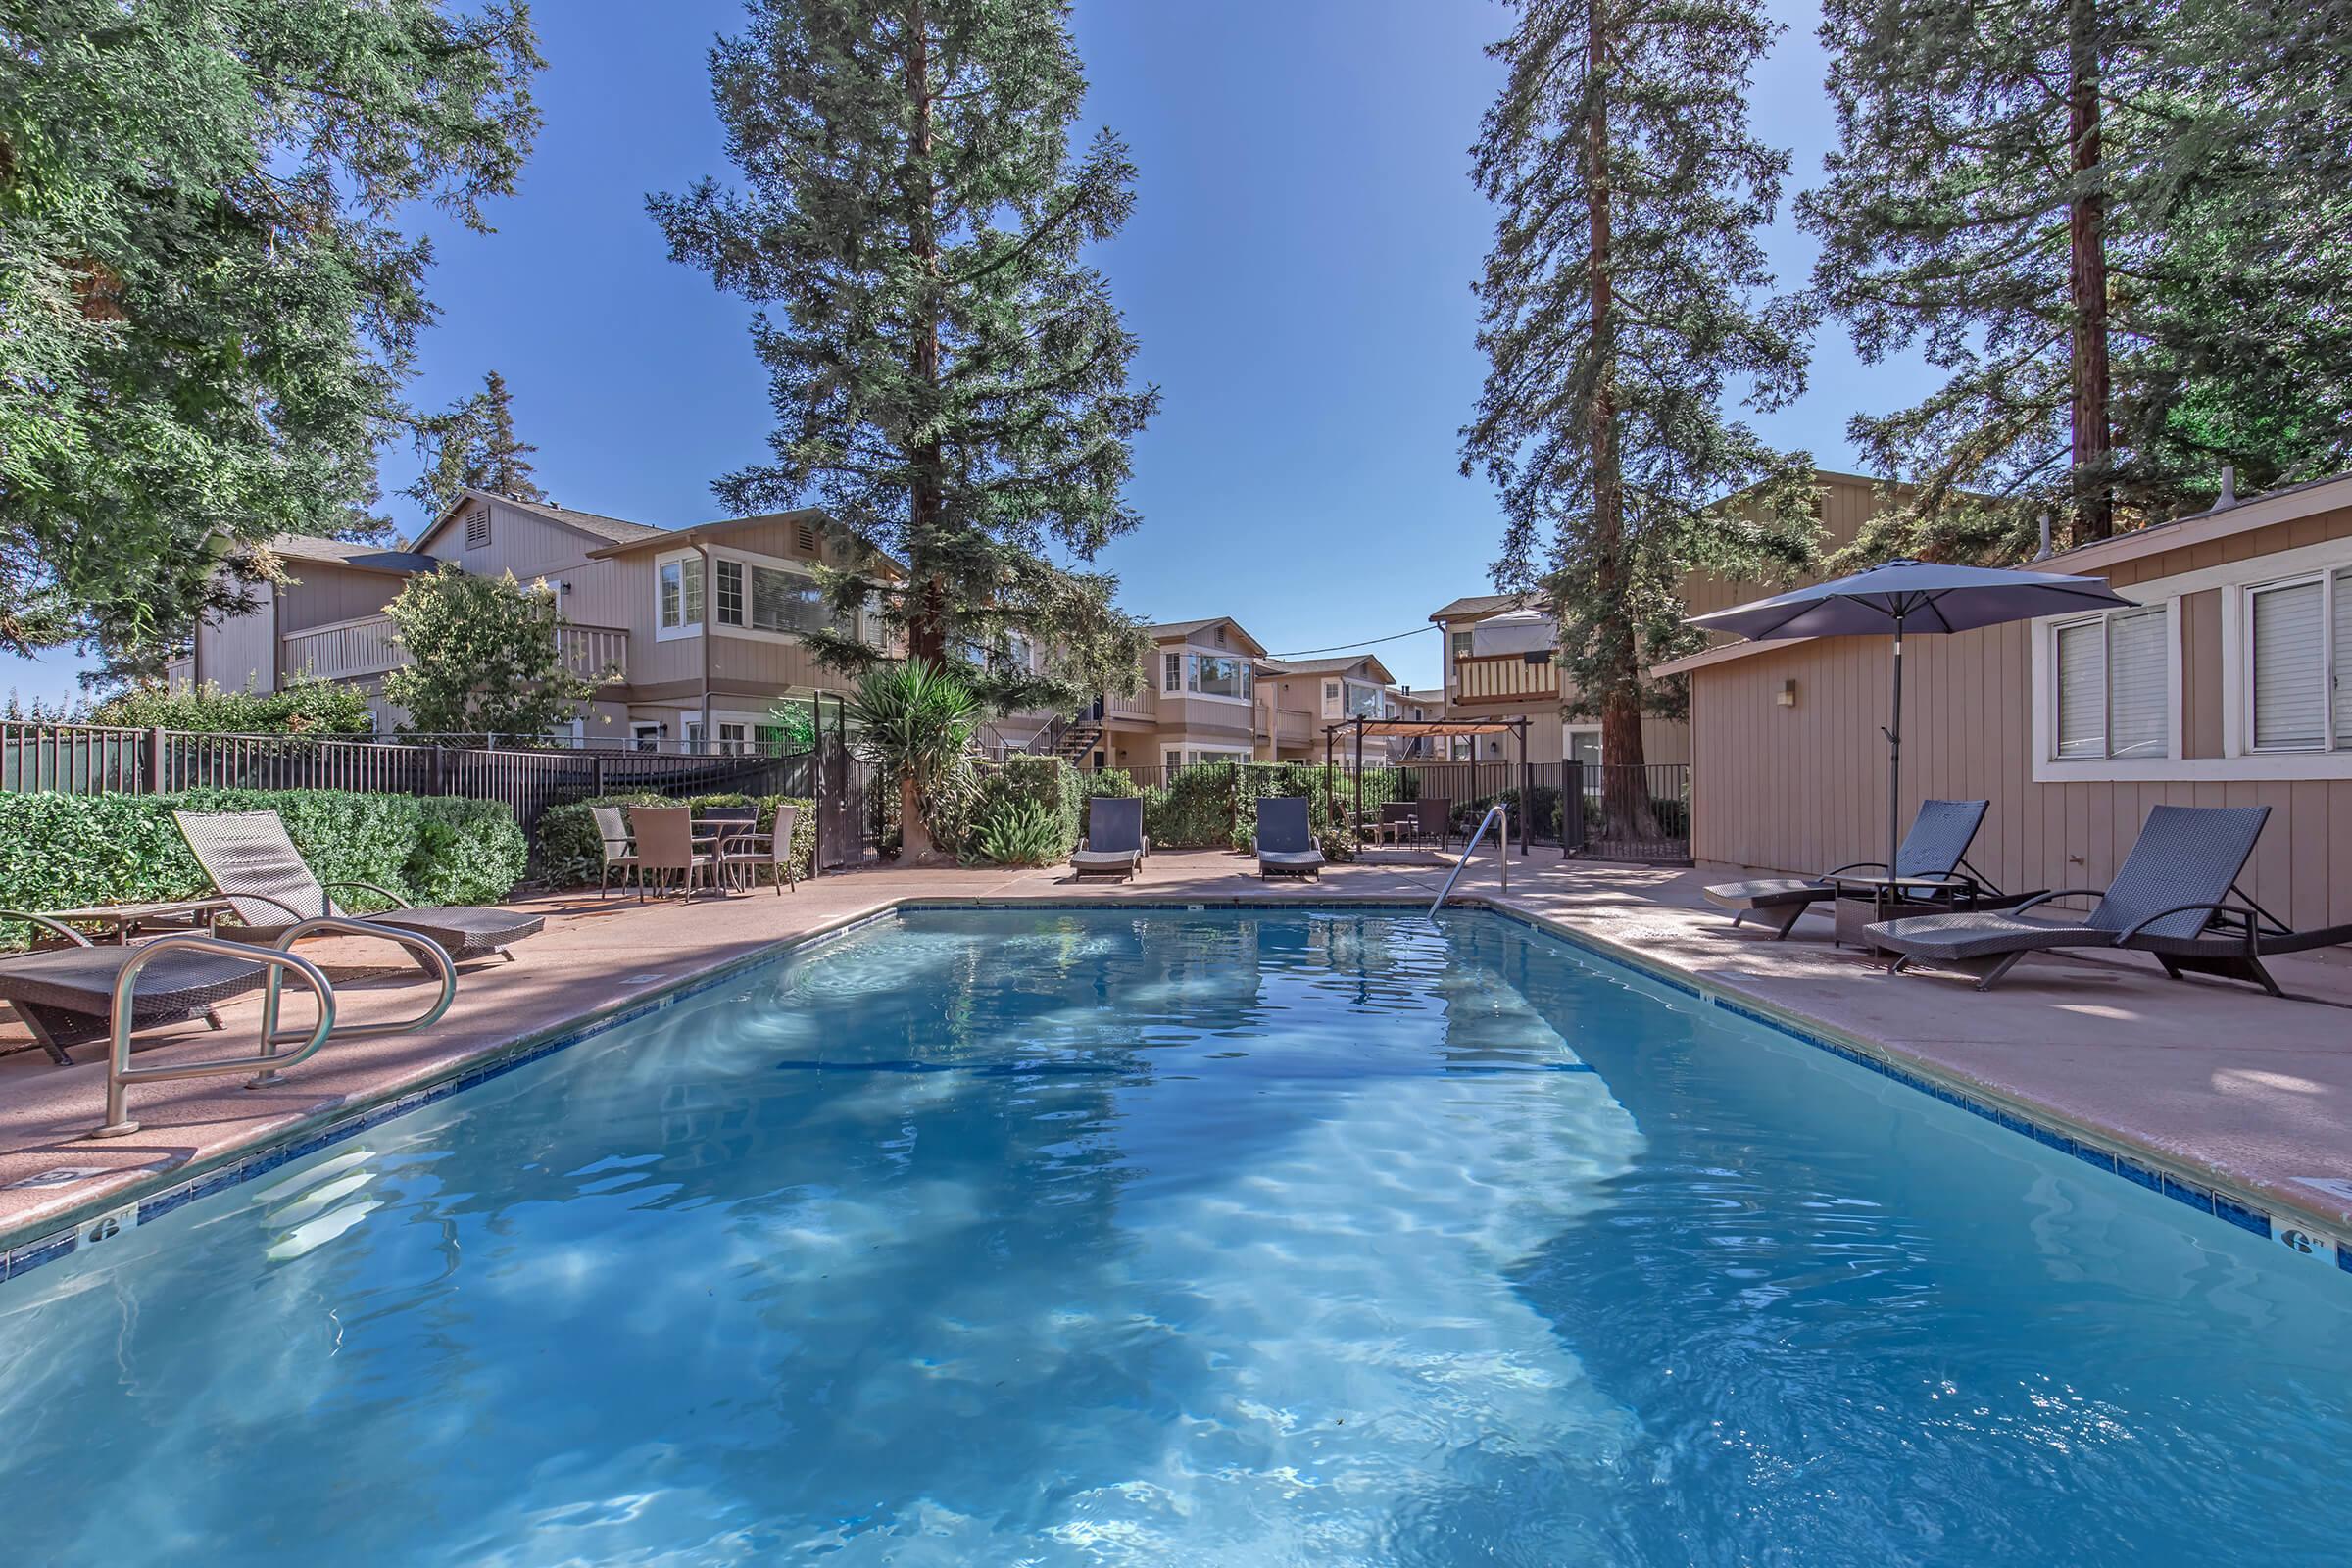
column 1433, row 728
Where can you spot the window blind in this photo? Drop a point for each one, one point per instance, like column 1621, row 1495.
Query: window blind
column 2341, row 647
column 2135, row 703
column 2082, row 689
column 2290, row 666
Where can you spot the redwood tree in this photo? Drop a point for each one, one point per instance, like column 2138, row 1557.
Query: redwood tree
column 1620, row 303
column 951, row 379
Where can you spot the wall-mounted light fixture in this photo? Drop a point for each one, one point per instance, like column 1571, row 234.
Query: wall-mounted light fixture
column 1786, row 696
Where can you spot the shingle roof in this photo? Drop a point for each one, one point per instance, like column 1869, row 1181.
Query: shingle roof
column 1169, row 630
column 1479, row 605
column 350, row 553
column 1329, row 666
column 619, row 530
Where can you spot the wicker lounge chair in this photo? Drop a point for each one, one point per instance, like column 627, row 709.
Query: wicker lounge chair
column 2170, row 891
column 276, row 895
column 1937, row 847
column 1114, row 844
column 1286, row 840
column 66, row 994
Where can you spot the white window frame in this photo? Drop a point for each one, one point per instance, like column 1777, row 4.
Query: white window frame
column 1171, row 672
column 685, row 628
column 2237, row 762
column 2105, row 621
column 2335, row 663
column 642, row 730
column 748, row 562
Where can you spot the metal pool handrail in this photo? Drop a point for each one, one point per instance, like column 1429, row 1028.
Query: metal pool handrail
column 1503, row 841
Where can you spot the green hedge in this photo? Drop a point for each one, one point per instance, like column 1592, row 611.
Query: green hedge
column 572, row 850
column 70, row 850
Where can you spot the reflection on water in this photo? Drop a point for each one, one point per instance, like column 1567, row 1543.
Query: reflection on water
column 1101, row 1238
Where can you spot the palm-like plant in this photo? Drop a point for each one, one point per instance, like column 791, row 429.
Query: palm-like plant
column 915, row 720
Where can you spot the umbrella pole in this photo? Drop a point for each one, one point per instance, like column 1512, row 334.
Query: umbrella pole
column 1895, row 756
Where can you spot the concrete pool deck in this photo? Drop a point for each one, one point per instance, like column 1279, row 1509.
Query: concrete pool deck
column 2235, row 1088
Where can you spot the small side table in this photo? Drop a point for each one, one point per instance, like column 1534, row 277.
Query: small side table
column 1865, row 899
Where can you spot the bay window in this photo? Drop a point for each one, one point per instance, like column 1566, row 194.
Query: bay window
column 1219, row 675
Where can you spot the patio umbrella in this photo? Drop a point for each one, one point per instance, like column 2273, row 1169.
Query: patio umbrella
column 1909, row 595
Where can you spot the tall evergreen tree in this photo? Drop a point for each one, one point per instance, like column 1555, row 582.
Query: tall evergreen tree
column 472, row 444
column 951, row 379
column 1618, row 305
column 209, row 307
column 2117, row 225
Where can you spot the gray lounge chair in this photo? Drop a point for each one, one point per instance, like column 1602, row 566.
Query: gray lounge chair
column 1286, row 839
column 1114, row 844
column 274, row 892
column 2171, row 888
column 1936, row 846
column 66, row 995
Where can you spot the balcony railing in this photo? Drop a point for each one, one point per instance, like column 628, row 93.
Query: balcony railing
column 1504, row 678
column 1143, row 705
column 349, row 649
column 1288, row 727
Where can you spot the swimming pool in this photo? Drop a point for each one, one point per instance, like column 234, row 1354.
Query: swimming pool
column 1151, row 1236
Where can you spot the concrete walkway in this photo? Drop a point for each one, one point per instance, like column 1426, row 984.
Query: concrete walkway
column 2215, row 1078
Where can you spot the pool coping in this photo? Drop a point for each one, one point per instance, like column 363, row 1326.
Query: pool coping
column 2249, row 1207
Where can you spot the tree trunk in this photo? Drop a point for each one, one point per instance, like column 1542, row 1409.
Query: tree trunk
column 2087, row 222
column 915, row 847
column 927, row 609
column 1625, row 811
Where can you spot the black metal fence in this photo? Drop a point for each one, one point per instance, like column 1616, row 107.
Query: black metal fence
column 1631, row 812
column 89, row 759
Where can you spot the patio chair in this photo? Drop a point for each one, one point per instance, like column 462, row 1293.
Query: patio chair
column 665, row 847
column 2171, row 886
column 255, row 865
column 1397, row 820
column 1433, row 815
column 614, row 829
column 1286, row 840
column 725, row 833
column 749, row 852
column 1937, row 847
column 1114, row 844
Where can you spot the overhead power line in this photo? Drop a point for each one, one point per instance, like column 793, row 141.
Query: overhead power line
column 1369, row 642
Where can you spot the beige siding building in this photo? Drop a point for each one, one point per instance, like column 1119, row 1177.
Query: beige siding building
column 2230, row 684
column 694, row 631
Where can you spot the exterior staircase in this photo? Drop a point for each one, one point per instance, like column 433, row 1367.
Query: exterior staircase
column 1078, row 741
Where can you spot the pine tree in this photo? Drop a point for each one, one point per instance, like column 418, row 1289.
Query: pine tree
column 1617, row 305
column 951, row 380
column 209, row 308
column 2117, row 226
column 472, row 444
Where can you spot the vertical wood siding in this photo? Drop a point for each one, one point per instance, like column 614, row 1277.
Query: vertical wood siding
column 1797, row 789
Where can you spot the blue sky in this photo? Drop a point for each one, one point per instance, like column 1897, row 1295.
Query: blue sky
column 1297, row 271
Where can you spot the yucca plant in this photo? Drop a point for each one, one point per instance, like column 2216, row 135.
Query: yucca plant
column 1019, row 833
column 915, row 720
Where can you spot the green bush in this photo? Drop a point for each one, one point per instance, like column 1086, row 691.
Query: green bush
column 1048, row 783
column 1543, row 820
column 306, row 706
column 1015, row 831
column 70, row 850
column 571, row 852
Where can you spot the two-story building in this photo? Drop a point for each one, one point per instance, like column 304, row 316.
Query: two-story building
column 1498, row 647
column 1298, row 697
column 694, row 633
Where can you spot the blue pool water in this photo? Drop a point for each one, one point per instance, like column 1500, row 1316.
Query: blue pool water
column 1151, row 1237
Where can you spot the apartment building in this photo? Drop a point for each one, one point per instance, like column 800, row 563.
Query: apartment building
column 1498, row 649
column 694, row 633
column 1299, row 697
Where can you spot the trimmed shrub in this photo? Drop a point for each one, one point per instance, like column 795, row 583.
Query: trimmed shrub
column 308, row 705
column 571, row 852
column 72, row 850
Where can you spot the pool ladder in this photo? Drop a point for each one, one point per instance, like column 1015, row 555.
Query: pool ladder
column 1502, row 842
